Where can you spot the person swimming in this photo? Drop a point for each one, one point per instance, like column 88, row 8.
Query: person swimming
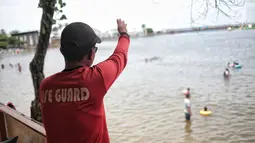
column 187, row 92
column 2, row 66
column 205, row 108
column 19, row 67
column 235, row 63
column 229, row 64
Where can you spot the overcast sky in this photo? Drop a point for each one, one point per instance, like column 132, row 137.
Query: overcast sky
column 101, row 14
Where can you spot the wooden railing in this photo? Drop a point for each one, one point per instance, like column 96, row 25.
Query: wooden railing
column 13, row 123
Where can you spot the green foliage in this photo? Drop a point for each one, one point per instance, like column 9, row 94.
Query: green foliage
column 58, row 6
column 3, row 41
column 63, row 17
column 143, row 26
column 59, row 11
column 3, row 32
column 3, row 45
column 14, row 41
column 3, row 37
column 149, row 30
column 6, row 41
column 59, row 16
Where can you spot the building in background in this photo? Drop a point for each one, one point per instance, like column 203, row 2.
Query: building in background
column 54, row 42
column 110, row 34
column 29, row 38
column 98, row 33
column 55, row 37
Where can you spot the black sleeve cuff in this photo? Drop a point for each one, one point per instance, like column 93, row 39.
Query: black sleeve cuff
column 124, row 33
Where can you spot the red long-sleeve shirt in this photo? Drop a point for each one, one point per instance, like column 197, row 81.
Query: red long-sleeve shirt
column 72, row 101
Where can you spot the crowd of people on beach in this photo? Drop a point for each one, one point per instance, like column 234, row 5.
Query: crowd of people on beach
column 3, row 66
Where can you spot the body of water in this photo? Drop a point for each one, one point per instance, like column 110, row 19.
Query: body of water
column 145, row 104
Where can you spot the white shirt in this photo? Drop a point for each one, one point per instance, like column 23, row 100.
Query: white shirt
column 186, row 105
column 226, row 72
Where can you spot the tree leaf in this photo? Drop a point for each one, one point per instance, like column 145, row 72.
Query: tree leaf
column 63, row 17
column 56, row 9
column 60, row 2
column 63, row 5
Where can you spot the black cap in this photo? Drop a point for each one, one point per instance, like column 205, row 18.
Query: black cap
column 76, row 40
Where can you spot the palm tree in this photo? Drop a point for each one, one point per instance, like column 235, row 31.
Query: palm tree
column 144, row 29
column 3, row 32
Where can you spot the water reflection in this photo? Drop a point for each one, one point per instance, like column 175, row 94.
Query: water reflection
column 226, row 82
column 188, row 131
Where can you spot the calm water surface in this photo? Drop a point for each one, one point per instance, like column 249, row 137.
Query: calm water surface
column 145, row 105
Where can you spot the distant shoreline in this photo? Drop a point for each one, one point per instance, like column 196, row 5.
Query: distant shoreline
column 171, row 33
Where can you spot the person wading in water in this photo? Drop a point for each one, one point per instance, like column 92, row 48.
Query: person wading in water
column 19, row 67
column 72, row 100
column 187, row 108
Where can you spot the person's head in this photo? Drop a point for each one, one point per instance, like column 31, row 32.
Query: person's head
column 188, row 89
column 78, row 44
column 9, row 104
column 205, row 108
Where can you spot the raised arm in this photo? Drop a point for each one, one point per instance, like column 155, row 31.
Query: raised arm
column 111, row 68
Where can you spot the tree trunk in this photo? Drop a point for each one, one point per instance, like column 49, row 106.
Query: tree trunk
column 37, row 64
